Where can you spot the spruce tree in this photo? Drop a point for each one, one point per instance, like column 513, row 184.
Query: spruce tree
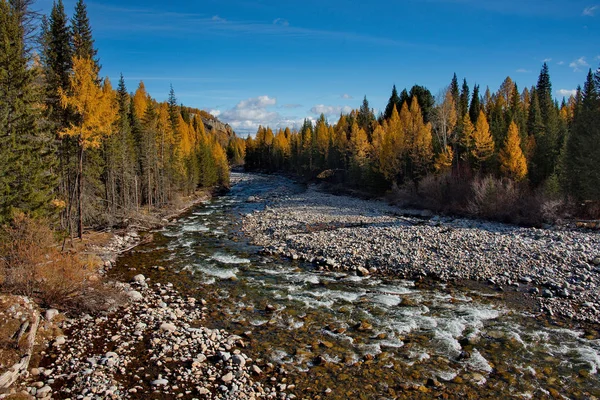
column 475, row 106
column 26, row 156
column 425, row 99
column 394, row 101
column 454, row 91
column 81, row 33
column 464, row 100
column 583, row 144
column 365, row 117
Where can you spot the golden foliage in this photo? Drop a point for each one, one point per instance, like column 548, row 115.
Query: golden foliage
column 483, row 144
column 94, row 104
column 140, row 101
column 443, row 161
column 512, row 160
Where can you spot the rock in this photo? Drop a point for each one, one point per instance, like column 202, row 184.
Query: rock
column 60, row 340
column 51, row 313
column 256, row 370
column 238, row 360
column 159, row 382
column 547, row 294
column 362, row 271
column 165, row 326
column 596, row 261
column 43, row 391
column 134, row 295
column 228, row 377
column 139, row 278
column 202, row 391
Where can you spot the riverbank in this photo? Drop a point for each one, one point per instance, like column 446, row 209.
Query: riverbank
column 557, row 268
column 151, row 343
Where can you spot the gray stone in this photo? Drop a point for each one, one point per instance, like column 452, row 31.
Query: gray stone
column 134, row 295
column 159, row 382
column 139, row 278
column 51, row 313
column 165, row 326
column 238, row 360
column 228, row 377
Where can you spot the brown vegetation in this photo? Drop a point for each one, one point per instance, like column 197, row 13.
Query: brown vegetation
column 32, row 265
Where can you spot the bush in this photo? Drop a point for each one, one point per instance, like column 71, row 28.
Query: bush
column 32, row 265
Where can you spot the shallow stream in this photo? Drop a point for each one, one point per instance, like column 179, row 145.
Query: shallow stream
column 338, row 336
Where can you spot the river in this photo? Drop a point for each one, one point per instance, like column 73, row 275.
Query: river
column 343, row 336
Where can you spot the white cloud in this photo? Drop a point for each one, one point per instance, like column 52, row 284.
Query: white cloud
column 561, row 63
column 546, row 60
column 590, row 11
column 566, row 92
column 281, row 21
column 334, row 111
column 523, row 71
column 248, row 114
column 216, row 18
column 580, row 62
column 598, row 57
column 346, row 96
column 215, row 113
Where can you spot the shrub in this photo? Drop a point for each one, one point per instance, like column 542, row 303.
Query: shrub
column 32, row 265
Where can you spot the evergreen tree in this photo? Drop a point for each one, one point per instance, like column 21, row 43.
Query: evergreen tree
column 26, row 157
column 455, row 93
column 475, row 106
column 583, row 144
column 464, row 100
column 365, row 117
column 81, row 34
column 394, row 101
column 425, row 99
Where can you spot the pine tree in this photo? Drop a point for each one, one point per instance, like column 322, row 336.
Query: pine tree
column 464, row 100
column 583, row 144
column 475, row 106
column 26, row 156
column 81, row 33
column 425, row 99
column 394, row 101
column 512, row 160
column 455, row 93
column 365, row 117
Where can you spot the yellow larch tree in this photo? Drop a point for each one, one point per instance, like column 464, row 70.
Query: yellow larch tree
column 420, row 149
column 393, row 148
column 443, row 161
column 483, row 144
column 512, row 161
column 140, row 101
column 95, row 107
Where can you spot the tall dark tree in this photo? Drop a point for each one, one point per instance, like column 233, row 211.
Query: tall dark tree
column 583, row 144
column 547, row 148
column 425, row 100
column 393, row 101
column 83, row 42
column 463, row 102
column 26, row 156
column 475, row 106
column 365, row 117
column 57, row 62
column 455, row 92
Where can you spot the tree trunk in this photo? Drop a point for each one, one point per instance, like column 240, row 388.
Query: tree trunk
column 80, row 191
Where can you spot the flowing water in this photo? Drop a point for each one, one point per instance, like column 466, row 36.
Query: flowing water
column 341, row 336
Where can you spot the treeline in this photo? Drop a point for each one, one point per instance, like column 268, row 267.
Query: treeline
column 455, row 149
column 77, row 151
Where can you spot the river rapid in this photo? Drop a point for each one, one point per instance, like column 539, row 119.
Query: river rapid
column 337, row 335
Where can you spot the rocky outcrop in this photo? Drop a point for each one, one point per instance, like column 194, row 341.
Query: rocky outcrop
column 214, row 125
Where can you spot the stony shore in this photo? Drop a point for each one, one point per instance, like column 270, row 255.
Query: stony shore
column 558, row 268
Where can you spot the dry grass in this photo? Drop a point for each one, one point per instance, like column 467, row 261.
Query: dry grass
column 32, row 265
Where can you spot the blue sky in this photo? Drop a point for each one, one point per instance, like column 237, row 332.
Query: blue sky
column 275, row 62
